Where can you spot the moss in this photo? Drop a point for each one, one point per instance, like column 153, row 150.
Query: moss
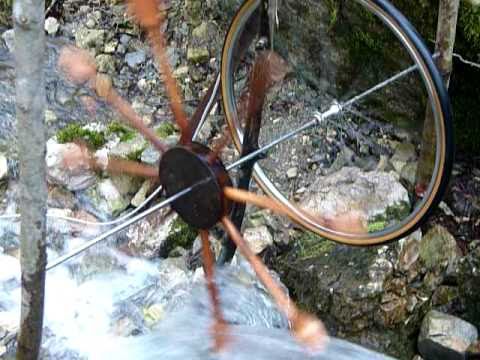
column 469, row 19
column 74, row 132
column 165, row 130
column 180, row 234
column 310, row 245
column 392, row 215
column 123, row 132
column 5, row 11
column 136, row 155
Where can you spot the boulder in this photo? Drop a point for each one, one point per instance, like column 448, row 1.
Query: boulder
column 78, row 176
column 444, row 336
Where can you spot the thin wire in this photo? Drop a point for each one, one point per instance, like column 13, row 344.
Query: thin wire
column 105, row 235
column 465, row 61
column 103, row 223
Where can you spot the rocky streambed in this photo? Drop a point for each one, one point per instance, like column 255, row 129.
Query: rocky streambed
column 146, row 281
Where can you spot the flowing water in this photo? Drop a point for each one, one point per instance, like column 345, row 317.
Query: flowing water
column 85, row 316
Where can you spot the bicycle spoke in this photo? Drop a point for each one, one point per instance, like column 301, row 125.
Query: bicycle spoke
column 320, row 117
column 122, row 226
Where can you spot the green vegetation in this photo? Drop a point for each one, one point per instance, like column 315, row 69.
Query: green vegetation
column 5, row 11
column 180, row 234
column 392, row 215
column 96, row 139
column 75, row 132
column 310, row 245
column 469, row 19
column 136, row 155
column 165, row 130
column 123, row 132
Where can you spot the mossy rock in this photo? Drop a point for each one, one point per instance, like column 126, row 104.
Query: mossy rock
column 75, row 132
column 180, row 235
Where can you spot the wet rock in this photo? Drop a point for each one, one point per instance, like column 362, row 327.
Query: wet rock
column 51, row 25
column 106, row 198
column 95, row 262
column 9, row 39
column 135, row 59
column 147, row 238
column 75, row 177
column 215, row 244
column 90, row 38
column 258, row 238
column 3, row 167
column 444, row 336
column 59, row 197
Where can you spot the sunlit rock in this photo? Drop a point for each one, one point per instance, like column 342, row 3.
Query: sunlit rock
column 76, row 176
column 376, row 194
column 444, row 336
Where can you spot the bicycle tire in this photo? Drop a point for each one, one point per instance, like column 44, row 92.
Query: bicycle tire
column 438, row 98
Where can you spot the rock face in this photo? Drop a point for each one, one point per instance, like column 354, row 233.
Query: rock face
column 77, row 177
column 375, row 296
column 443, row 336
column 372, row 193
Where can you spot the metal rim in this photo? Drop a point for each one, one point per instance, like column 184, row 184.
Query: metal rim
column 423, row 207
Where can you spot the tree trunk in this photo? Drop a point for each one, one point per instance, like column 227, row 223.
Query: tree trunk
column 28, row 17
column 446, row 29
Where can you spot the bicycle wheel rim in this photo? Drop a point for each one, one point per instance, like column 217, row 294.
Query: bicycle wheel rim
column 438, row 98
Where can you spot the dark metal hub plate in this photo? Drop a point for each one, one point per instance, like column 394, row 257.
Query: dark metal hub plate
column 187, row 165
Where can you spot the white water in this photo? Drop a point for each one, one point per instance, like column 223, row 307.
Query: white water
column 78, row 316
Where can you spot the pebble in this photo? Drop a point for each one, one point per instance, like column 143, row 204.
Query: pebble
column 292, row 173
column 51, row 25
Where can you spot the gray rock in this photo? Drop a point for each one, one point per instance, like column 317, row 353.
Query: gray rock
column 198, row 55
column 9, row 39
column 292, row 173
column 125, row 39
column 105, row 63
column 438, row 248
column 150, row 155
column 372, row 193
column 404, row 153
column 110, row 47
column 51, row 25
column 258, row 238
column 125, row 149
column 147, row 238
column 50, row 116
column 90, row 38
column 106, row 198
column 74, row 178
column 135, row 59
column 141, row 194
column 444, row 336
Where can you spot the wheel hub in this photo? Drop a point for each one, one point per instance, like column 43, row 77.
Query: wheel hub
column 187, row 165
